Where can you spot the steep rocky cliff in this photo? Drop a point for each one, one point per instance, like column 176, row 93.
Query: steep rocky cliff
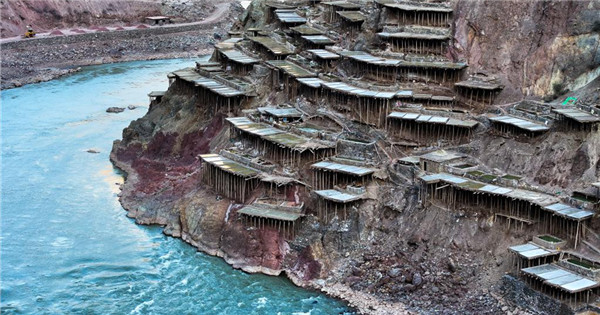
column 540, row 48
column 392, row 254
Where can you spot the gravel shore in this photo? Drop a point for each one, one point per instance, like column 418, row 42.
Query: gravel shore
column 45, row 58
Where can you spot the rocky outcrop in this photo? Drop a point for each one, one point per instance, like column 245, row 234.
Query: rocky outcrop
column 560, row 161
column 540, row 48
column 115, row 110
column 392, row 255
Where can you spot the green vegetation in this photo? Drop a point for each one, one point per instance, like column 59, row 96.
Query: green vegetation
column 462, row 166
column 487, row 177
column 475, row 173
column 584, row 198
column 471, row 185
column 550, row 239
column 511, row 177
column 582, row 264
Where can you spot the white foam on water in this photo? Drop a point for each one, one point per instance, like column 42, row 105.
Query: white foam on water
column 138, row 309
column 184, row 281
column 62, row 242
column 260, row 302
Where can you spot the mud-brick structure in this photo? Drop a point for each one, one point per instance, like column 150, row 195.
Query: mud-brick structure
column 437, row 161
column 229, row 178
column 357, row 152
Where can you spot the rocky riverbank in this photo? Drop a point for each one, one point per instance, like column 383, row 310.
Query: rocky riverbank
column 368, row 264
column 42, row 59
column 48, row 15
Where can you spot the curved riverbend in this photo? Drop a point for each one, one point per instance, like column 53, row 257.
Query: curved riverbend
column 67, row 246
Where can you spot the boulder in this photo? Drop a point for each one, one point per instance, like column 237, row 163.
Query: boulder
column 417, row 280
column 115, row 109
column 394, row 272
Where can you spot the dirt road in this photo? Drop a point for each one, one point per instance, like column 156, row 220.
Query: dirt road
column 216, row 16
column 48, row 56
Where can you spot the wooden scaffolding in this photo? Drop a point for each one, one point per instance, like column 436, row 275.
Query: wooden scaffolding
column 229, row 178
column 428, row 129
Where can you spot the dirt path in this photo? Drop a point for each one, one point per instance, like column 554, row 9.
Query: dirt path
column 216, row 16
column 50, row 55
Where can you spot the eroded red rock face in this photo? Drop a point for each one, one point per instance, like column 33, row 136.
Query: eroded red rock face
column 307, row 265
column 252, row 247
column 166, row 189
column 168, row 160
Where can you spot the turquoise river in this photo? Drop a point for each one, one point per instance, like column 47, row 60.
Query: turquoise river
column 67, row 246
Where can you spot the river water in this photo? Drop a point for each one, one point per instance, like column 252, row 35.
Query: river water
column 66, row 244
